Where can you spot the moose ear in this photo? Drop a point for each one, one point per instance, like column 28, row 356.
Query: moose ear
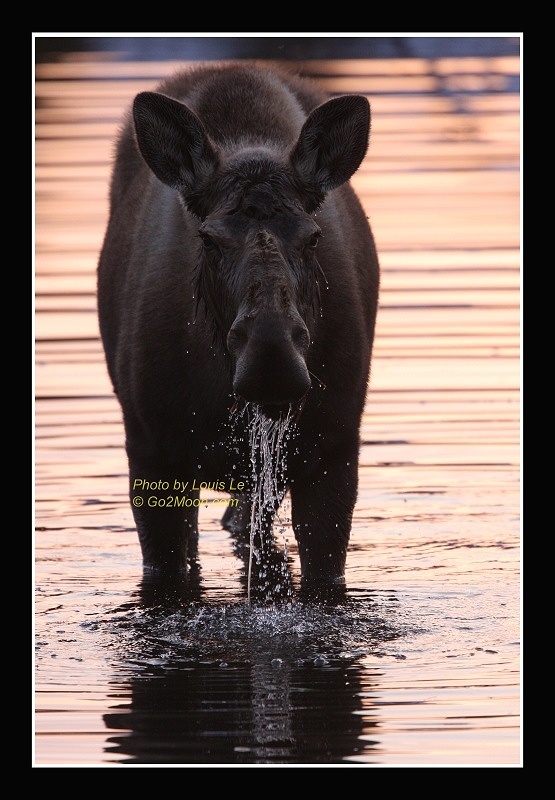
column 172, row 141
column 333, row 141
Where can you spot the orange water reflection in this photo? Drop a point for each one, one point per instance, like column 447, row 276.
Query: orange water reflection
column 437, row 520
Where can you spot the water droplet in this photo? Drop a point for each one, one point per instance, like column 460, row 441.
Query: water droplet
column 268, row 443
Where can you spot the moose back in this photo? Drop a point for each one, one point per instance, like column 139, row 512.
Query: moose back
column 238, row 270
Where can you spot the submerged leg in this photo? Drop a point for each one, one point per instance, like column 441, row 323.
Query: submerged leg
column 266, row 575
column 167, row 521
column 322, row 506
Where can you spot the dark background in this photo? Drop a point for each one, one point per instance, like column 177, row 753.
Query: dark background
column 300, row 47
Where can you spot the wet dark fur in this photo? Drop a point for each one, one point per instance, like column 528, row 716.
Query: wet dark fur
column 239, row 263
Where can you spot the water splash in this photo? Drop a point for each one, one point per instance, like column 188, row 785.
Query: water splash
column 268, row 452
column 235, row 633
column 268, row 440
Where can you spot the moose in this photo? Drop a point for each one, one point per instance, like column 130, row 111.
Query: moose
column 239, row 270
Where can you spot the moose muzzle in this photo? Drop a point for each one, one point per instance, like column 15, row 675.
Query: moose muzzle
column 269, row 350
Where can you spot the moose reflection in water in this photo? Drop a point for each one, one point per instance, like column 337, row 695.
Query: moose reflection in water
column 264, row 708
column 239, row 271
column 179, row 714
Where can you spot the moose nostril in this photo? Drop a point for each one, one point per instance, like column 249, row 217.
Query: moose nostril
column 237, row 336
column 300, row 337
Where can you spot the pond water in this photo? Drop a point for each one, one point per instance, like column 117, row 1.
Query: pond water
column 421, row 665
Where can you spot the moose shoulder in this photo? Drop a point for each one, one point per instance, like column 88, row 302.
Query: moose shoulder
column 238, row 268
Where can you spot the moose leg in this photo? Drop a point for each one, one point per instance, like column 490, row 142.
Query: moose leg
column 236, row 518
column 166, row 519
column 322, row 512
column 267, row 577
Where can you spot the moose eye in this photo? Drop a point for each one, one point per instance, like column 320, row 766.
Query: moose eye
column 313, row 241
column 207, row 242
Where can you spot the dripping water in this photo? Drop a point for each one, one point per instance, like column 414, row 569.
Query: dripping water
column 268, row 440
column 268, row 452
